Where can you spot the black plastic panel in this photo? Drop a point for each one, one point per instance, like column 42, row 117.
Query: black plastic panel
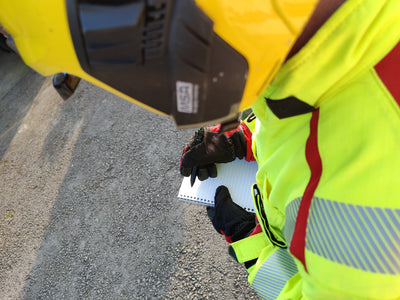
column 162, row 53
column 289, row 107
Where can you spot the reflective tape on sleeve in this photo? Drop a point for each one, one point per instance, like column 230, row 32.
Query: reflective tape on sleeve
column 274, row 273
column 362, row 237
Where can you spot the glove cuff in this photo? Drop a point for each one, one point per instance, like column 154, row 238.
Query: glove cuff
column 248, row 140
column 241, row 139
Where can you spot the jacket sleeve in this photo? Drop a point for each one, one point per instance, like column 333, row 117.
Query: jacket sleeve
column 274, row 274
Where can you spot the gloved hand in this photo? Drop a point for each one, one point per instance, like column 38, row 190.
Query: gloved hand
column 209, row 146
column 228, row 218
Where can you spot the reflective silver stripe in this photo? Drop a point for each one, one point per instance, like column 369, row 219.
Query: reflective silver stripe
column 274, row 273
column 361, row 237
column 290, row 219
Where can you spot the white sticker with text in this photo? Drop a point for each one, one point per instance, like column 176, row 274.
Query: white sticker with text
column 187, row 95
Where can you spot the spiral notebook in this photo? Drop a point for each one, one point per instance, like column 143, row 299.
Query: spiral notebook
column 238, row 176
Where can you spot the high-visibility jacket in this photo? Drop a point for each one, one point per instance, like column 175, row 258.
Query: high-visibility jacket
column 327, row 142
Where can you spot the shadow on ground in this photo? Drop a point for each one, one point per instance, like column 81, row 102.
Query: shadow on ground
column 89, row 206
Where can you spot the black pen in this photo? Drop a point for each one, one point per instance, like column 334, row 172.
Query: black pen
column 198, row 138
column 193, row 175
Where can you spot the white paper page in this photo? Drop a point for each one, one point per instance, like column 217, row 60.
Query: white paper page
column 238, row 176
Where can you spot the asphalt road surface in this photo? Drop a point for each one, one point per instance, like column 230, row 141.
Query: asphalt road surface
column 88, row 201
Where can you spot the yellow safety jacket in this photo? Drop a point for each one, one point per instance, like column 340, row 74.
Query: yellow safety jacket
column 327, row 142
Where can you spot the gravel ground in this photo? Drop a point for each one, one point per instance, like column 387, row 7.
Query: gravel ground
column 88, row 201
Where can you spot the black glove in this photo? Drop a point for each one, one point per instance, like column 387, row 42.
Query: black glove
column 228, row 218
column 208, row 147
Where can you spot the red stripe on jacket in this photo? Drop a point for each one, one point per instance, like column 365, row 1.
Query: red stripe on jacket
column 388, row 69
column 298, row 243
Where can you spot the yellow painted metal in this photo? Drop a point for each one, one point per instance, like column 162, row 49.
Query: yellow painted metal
column 41, row 33
column 262, row 31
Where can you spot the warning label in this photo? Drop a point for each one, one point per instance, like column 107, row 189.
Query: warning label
column 187, row 97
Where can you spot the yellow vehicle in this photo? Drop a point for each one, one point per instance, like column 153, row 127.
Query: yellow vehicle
column 197, row 61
